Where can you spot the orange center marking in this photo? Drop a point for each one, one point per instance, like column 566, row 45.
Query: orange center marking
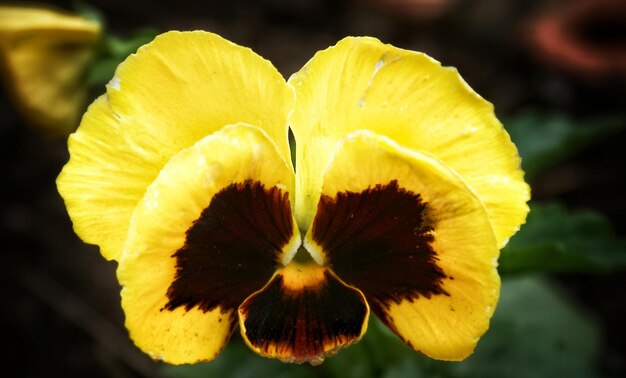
column 298, row 276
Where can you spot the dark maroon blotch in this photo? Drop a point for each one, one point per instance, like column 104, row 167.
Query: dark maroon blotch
column 380, row 241
column 230, row 251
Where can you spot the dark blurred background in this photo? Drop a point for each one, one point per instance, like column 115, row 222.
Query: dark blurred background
column 61, row 311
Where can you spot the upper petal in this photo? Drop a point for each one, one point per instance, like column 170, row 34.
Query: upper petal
column 44, row 54
column 407, row 96
column 175, row 91
column 209, row 232
column 405, row 230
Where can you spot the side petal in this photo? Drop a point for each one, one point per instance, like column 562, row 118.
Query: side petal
column 304, row 314
column 209, row 232
column 106, row 176
column 44, row 54
column 405, row 230
column 407, row 96
column 175, row 91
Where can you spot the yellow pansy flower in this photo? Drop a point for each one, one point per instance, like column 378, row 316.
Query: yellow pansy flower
column 405, row 188
column 44, row 54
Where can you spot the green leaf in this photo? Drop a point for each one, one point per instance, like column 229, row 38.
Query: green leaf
column 113, row 51
column 123, row 47
column 238, row 361
column 89, row 12
column 535, row 333
column 101, row 71
column 407, row 368
column 555, row 240
column 545, row 139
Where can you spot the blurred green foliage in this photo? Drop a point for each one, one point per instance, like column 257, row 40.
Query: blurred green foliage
column 556, row 240
column 537, row 331
column 544, row 139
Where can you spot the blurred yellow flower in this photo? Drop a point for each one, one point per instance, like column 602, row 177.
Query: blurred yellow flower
column 43, row 56
column 404, row 190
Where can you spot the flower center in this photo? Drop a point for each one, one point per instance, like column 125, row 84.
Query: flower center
column 302, row 257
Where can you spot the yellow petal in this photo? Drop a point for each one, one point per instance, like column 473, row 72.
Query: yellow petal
column 405, row 230
column 363, row 84
column 185, row 85
column 209, row 232
column 175, row 91
column 107, row 174
column 44, row 54
column 304, row 314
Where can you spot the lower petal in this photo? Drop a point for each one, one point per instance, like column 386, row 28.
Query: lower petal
column 405, row 230
column 304, row 314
